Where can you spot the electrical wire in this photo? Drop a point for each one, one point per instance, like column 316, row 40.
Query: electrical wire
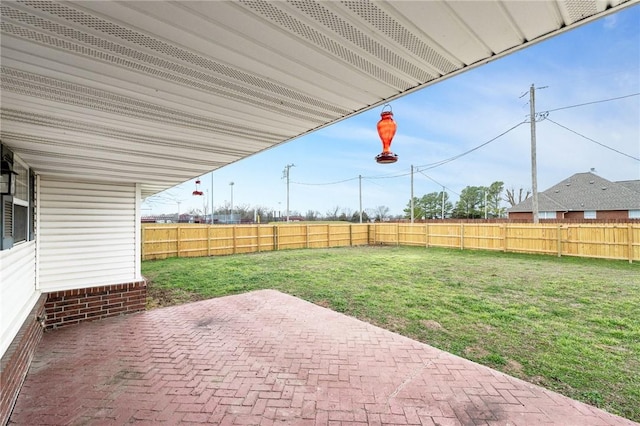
column 430, row 166
column 594, row 102
column 327, row 183
column 594, row 141
column 448, row 160
column 424, row 166
column 432, row 179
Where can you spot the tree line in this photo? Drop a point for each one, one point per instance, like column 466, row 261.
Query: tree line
column 474, row 202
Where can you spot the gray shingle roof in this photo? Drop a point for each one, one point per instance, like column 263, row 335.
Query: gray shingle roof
column 631, row 184
column 586, row 191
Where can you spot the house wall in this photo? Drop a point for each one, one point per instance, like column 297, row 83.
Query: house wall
column 613, row 214
column 18, row 294
column 17, row 358
column 87, row 235
column 520, row 215
column 574, row 215
column 603, row 215
column 84, row 264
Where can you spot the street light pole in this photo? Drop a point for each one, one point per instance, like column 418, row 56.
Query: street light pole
column 360, row 194
column 285, row 173
column 231, row 213
column 411, row 205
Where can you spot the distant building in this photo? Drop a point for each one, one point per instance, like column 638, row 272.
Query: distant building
column 584, row 196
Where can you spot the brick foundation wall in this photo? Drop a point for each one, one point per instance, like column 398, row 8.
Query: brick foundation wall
column 16, row 360
column 75, row 306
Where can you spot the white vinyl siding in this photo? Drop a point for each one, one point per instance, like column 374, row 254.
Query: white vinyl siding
column 18, row 292
column 87, row 234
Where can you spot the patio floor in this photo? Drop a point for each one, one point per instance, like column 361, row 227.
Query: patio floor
column 269, row 358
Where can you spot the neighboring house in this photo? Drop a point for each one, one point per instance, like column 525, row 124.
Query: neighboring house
column 584, row 196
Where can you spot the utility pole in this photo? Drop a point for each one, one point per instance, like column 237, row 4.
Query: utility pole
column 485, row 203
column 285, row 174
column 360, row 192
column 534, row 167
column 412, row 193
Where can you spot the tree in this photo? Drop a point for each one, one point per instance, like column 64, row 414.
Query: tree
column 494, row 197
column 345, row 214
column 429, row 206
column 381, row 213
column 356, row 217
column 443, row 198
column 510, row 196
column 332, row 214
column 312, row 215
column 471, row 203
column 418, row 209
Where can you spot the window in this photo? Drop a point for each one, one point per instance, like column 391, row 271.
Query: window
column 546, row 215
column 589, row 214
column 634, row 214
column 18, row 211
column 21, row 204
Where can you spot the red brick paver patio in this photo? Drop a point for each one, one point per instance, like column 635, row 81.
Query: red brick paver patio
column 266, row 358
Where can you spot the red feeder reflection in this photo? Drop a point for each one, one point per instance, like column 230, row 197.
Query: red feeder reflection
column 386, row 130
column 197, row 191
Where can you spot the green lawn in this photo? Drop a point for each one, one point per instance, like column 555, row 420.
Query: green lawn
column 571, row 325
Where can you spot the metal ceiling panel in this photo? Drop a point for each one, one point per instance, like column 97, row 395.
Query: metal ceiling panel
column 127, row 91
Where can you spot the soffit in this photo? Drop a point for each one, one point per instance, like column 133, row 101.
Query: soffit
column 160, row 92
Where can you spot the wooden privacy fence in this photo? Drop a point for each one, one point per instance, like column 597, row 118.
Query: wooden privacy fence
column 607, row 241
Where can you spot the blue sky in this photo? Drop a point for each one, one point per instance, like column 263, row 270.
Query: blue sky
column 595, row 62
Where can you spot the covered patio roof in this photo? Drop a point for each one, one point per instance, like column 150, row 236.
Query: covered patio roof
column 160, row 92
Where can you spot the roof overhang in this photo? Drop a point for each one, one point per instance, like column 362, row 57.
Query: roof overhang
column 160, row 92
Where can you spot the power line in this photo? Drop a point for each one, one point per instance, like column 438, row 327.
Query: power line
column 594, row 102
column 448, row 160
column 594, row 141
column 432, row 179
column 387, row 177
column 326, row 183
column 424, row 166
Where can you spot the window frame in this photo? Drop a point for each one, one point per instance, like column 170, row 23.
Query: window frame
column 9, row 202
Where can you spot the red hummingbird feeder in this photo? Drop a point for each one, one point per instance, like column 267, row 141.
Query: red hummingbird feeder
column 386, row 130
column 197, row 191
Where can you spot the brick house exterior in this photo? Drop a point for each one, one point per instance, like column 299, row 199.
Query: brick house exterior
column 584, row 196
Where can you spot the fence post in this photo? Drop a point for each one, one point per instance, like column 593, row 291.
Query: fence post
column 307, row 239
column 209, row 240
column 504, row 237
column 142, row 241
column 351, row 235
column 233, row 238
column 258, row 234
column 426, row 232
column 462, row 236
column 630, row 241
column 328, row 235
column 178, row 245
column 397, row 234
column 559, row 240
column 276, row 243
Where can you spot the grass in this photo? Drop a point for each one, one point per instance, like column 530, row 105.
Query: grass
column 569, row 324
